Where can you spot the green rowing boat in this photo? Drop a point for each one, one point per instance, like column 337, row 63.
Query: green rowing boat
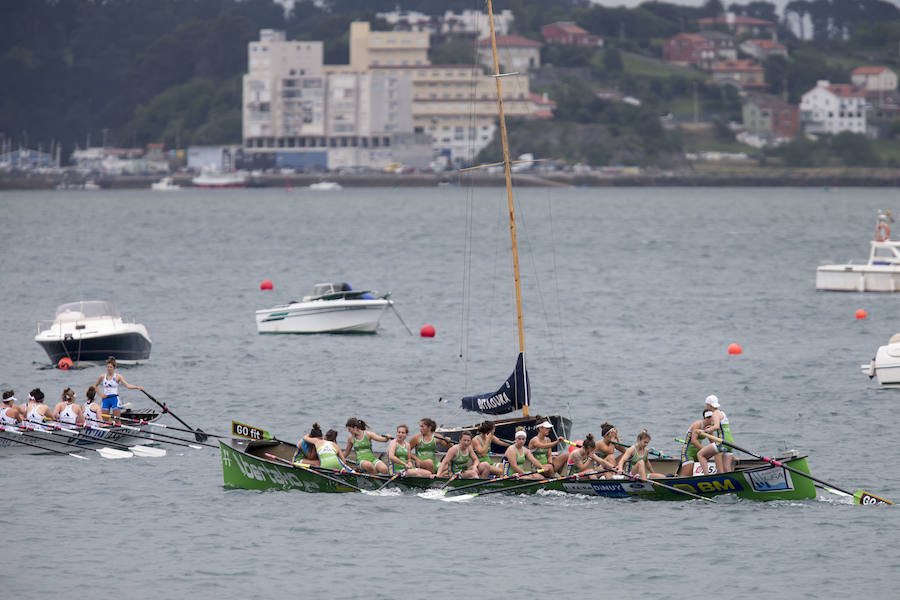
column 263, row 465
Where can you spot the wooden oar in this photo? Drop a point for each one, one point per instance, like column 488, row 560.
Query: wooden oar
column 311, row 470
column 18, row 441
column 860, row 497
column 534, row 483
column 198, row 433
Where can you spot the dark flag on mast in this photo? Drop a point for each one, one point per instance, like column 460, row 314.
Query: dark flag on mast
column 512, row 396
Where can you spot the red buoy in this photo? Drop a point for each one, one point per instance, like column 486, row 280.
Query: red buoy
column 427, row 331
column 65, row 363
column 734, row 348
column 861, row 314
column 265, row 285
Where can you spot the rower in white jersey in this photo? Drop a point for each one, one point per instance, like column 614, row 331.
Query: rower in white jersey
column 91, row 410
column 110, row 382
column 37, row 412
column 67, row 412
column 10, row 412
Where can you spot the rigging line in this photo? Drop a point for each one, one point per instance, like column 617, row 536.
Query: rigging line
column 561, row 352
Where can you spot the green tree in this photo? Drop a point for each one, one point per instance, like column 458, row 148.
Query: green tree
column 612, row 60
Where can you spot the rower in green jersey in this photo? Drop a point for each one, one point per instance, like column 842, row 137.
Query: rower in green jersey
column 482, row 445
column 329, row 453
column 636, row 460
column 360, row 441
column 460, row 458
column 693, row 443
column 400, row 457
column 519, row 458
column 425, row 445
column 541, row 446
column 606, row 446
column 720, row 428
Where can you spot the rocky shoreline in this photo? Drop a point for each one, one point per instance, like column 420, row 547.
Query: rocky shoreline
column 745, row 178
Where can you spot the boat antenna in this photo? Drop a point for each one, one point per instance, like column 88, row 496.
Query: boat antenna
column 509, row 197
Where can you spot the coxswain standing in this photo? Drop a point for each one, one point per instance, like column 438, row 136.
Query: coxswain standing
column 460, row 458
column 720, row 428
column 11, row 414
column 67, row 412
column 110, row 382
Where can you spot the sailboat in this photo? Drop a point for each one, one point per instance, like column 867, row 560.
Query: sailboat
column 515, row 394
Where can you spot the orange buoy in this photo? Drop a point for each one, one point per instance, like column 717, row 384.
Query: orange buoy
column 265, row 285
column 427, row 331
column 734, row 348
column 65, row 363
column 861, row 314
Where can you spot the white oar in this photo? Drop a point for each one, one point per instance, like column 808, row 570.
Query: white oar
column 112, row 453
column 137, row 450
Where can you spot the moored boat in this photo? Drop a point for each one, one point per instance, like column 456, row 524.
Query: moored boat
column 885, row 366
column 330, row 308
column 166, row 184
column 215, row 179
column 881, row 273
column 326, row 186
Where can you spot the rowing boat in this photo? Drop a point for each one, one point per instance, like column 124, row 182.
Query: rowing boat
column 48, row 440
column 263, row 465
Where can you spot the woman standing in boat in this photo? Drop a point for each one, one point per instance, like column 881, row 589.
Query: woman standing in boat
column 481, row 443
column 541, row 447
column 518, row 457
column 636, row 460
column 66, row 411
column 110, row 382
column 720, row 428
column 328, row 452
column 400, row 457
column 425, row 445
column 360, row 441
column 460, row 458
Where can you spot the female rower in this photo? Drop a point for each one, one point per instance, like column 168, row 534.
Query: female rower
column 541, row 447
column 328, row 452
column 481, row 443
column 636, row 460
column 425, row 445
column 518, row 455
column 693, row 444
column 37, row 412
column 401, row 458
column 460, row 458
column 720, row 428
column 360, row 440
column 584, row 459
column 10, row 413
column 609, row 443
column 90, row 409
column 308, row 450
column 66, row 411
column 111, row 381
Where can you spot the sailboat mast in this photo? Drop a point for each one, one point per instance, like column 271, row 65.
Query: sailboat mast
column 509, row 197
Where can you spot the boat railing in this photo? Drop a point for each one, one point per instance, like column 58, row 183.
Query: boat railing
column 885, row 252
column 50, row 324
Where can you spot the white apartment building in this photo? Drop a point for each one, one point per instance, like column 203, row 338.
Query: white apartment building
column 467, row 23
column 833, row 108
column 874, row 79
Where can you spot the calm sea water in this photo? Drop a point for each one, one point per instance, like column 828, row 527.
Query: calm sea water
column 631, row 299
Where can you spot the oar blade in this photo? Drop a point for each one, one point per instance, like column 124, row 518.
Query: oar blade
column 113, row 454
column 458, row 498
column 867, row 498
column 147, row 451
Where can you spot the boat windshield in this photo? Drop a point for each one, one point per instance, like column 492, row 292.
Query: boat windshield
column 320, row 289
column 89, row 308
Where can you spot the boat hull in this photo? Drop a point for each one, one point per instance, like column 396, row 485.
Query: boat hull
column 128, row 347
column 323, row 316
column 245, row 466
column 91, row 438
column 858, row 278
column 885, row 367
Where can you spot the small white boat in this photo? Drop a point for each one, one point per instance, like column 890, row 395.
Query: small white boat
column 166, row 184
column 880, row 274
column 326, row 186
column 886, row 364
column 214, row 179
column 330, row 308
column 90, row 331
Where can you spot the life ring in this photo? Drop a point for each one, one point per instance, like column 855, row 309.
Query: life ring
column 882, row 232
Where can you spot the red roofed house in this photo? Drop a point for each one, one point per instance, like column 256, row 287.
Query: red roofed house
column 770, row 117
column 763, row 49
column 567, row 32
column 688, row 49
column 542, row 106
column 741, row 73
column 514, row 52
column 832, row 108
column 741, row 25
column 874, row 79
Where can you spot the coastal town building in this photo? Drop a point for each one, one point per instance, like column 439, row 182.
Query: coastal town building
column 874, row 79
column 468, row 23
column 740, row 25
column 770, row 119
column 724, row 45
column 833, row 108
column 570, row 34
column 744, row 74
column 686, row 49
column 763, row 49
column 515, row 53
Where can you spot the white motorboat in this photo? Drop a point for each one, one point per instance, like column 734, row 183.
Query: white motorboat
column 326, row 186
column 90, row 331
column 880, row 274
column 886, row 364
column 215, row 179
column 166, row 184
column 330, row 308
